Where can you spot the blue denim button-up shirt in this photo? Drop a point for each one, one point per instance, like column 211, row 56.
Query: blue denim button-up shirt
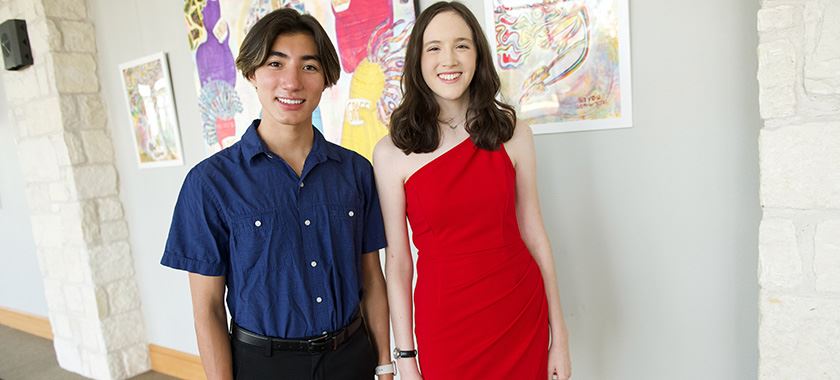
column 289, row 247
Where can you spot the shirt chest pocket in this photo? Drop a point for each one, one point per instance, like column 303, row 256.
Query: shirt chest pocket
column 260, row 240
column 344, row 218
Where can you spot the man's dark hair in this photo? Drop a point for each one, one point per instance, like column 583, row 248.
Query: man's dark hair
column 258, row 42
column 414, row 124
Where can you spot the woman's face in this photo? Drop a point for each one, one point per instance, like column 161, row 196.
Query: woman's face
column 448, row 57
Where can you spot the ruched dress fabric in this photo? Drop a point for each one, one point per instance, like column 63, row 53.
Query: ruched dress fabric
column 480, row 304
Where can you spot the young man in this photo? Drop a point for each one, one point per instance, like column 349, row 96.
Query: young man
column 290, row 224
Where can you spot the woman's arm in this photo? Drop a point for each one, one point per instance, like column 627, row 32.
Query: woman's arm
column 521, row 150
column 208, row 299
column 399, row 265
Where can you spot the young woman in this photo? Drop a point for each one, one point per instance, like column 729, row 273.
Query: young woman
column 457, row 165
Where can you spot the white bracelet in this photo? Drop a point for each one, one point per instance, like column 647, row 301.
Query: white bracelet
column 384, row 369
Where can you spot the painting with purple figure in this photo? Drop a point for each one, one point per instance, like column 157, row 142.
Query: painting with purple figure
column 564, row 64
column 370, row 37
column 151, row 111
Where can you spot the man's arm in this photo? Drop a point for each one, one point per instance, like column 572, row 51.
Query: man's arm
column 375, row 307
column 208, row 299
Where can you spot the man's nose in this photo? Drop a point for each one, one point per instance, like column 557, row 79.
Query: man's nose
column 291, row 80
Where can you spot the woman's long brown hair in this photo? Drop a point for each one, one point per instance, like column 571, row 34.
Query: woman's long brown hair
column 414, row 124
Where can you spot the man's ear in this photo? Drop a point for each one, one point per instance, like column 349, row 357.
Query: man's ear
column 251, row 79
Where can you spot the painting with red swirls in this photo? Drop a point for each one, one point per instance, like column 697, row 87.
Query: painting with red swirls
column 564, row 64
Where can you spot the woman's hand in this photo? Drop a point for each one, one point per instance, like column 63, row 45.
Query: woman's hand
column 559, row 364
column 407, row 368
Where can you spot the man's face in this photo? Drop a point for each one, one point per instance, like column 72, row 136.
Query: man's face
column 289, row 84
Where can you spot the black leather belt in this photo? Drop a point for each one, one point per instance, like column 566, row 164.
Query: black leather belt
column 321, row 343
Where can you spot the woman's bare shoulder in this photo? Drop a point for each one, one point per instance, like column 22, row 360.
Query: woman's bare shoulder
column 522, row 131
column 521, row 141
column 385, row 150
column 388, row 159
column 522, row 135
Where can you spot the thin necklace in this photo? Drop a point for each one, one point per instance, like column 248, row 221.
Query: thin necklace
column 453, row 126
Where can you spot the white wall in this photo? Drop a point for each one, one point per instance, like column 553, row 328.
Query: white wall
column 21, row 288
column 654, row 227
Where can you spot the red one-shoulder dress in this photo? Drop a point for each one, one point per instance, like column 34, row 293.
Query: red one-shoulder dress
column 480, row 305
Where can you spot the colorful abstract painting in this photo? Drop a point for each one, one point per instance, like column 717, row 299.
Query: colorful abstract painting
column 564, row 64
column 151, row 109
column 370, row 37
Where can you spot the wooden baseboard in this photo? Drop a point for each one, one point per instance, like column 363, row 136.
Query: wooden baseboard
column 164, row 360
column 28, row 323
column 176, row 363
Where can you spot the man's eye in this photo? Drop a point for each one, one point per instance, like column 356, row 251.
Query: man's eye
column 274, row 64
column 310, row 68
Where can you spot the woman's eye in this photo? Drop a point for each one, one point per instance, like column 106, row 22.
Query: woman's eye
column 310, row 68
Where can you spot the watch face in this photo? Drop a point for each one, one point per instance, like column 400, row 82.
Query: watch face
column 6, row 45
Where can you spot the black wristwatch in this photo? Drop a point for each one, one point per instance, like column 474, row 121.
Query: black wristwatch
column 400, row 354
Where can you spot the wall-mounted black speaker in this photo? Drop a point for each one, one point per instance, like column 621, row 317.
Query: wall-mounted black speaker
column 15, row 44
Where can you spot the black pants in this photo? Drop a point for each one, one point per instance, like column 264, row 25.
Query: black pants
column 354, row 360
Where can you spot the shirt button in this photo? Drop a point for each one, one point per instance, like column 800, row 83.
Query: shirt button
column 307, row 222
column 258, row 223
column 318, row 300
column 313, row 264
column 324, row 332
column 301, row 184
column 351, row 213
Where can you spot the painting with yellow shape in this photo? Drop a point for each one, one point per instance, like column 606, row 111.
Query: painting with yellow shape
column 375, row 90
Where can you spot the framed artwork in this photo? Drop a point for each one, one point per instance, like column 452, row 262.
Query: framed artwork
column 370, row 37
column 151, row 111
column 564, row 64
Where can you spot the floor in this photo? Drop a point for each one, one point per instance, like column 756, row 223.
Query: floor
column 28, row 357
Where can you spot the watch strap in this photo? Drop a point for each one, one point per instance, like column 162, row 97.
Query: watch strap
column 400, row 354
column 384, row 369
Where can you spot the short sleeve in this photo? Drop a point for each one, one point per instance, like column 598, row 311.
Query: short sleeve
column 198, row 237
column 373, row 238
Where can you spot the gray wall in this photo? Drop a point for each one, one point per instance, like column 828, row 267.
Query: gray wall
column 21, row 288
column 654, row 228
column 149, row 195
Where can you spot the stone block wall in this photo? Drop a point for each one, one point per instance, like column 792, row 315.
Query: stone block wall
column 799, row 236
column 67, row 160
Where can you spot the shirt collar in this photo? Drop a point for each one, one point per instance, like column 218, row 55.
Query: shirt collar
column 252, row 145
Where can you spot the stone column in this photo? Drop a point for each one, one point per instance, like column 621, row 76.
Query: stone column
column 67, row 159
column 799, row 237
